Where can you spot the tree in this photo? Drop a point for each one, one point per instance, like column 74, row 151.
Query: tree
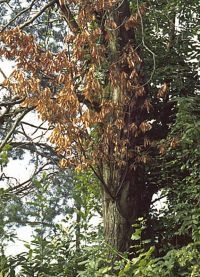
column 110, row 93
column 182, row 162
column 59, row 211
column 177, row 225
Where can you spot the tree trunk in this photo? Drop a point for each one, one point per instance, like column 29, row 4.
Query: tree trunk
column 126, row 196
column 132, row 201
column 117, row 229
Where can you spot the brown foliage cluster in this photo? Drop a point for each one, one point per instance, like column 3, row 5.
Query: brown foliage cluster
column 90, row 92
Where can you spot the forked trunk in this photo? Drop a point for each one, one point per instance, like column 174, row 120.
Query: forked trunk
column 132, row 201
column 117, row 229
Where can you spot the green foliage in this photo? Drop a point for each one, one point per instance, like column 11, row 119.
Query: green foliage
column 172, row 39
column 4, row 158
column 55, row 249
column 10, row 206
column 177, row 244
column 182, row 262
column 179, row 222
column 177, row 262
column 184, row 190
column 100, row 259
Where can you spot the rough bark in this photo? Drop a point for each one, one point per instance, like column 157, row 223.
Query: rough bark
column 132, row 201
column 129, row 197
column 117, row 229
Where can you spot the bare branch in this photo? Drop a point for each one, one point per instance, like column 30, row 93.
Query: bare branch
column 146, row 47
column 37, row 14
column 36, row 127
column 12, row 102
column 47, row 151
column 36, row 223
column 14, row 127
column 19, row 14
column 28, row 184
column 158, row 199
column 3, row 1
column 3, row 74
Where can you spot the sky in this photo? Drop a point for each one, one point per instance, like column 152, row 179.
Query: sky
column 15, row 169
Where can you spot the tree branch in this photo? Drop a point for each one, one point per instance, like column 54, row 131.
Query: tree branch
column 3, row 1
column 3, row 74
column 14, row 127
column 94, row 105
column 158, row 199
column 19, row 14
column 37, row 14
column 21, row 187
column 46, row 150
column 12, row 102
column 36, row 127
column 68, row 16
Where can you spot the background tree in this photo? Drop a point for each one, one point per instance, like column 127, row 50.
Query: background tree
column 110, row 93
column 60, row 217
column 176, row 226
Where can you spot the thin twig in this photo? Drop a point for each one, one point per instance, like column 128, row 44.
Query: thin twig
column 37, row 127
column 3, row 74
column 19, row 14
column 158, row 199
column 13, row 128
column 16, row 100
column 37, row 14
column 21, row 187
column 146, row 47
